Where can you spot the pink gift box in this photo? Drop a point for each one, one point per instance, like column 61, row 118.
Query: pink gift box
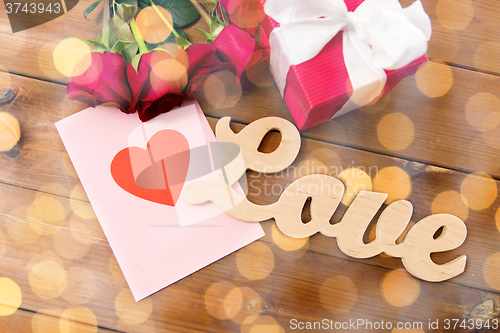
column 317, row 89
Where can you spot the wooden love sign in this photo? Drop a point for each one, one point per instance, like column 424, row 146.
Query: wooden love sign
column 326, row 193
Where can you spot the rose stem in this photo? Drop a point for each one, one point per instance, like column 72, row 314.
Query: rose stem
column 105, row 24
column 202, row 12
column 164, row 19
column 137, row 36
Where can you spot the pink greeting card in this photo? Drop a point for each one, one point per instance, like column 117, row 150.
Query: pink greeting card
column 134, row 174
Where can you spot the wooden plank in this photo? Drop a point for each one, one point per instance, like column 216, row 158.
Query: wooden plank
column 474, row 46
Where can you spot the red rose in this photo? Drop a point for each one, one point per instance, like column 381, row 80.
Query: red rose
column 157, row 85
column 246, row 14
column 103, row 81
column 227, row 56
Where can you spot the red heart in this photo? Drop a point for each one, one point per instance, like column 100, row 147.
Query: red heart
column 156, row 173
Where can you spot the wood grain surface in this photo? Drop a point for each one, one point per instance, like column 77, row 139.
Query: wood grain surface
column 433, row 141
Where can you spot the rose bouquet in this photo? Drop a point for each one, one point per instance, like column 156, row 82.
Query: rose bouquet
column 143, row 62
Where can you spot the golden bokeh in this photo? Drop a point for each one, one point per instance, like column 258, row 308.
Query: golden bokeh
column 10, row 131
column 479, row 189
column 338, row 294
column 222, row 90
column 54, row 188
column 242, row 305
column 81, row 286
column 146, row 326
column 169, row 73
column 455, row 14
column 486, row 57
column 86, row 231
column 78, row 320
column 129, row 310
column 483, row 111
column 395, row 131
column 263, row 324
column 46, row 321
column 255, row 261
column 46, row 61
column 450, row 202
column 3, row 244
column 215, row 297
column 327, row 156
column 48, row 279
column 310, row 166
column 394, row 181
column 67, row 246
column 79, row 203
column 399, row 288
column 377, row 105
column 152, row 26
column 257, row 70
column 434, row 79
column 10, row 296
column 19, row 228
column 491, row 271
column 68, row 166
column 492, row 137
column 68, row 54
column 355, row 180
column 47, row 214
column 287, row 243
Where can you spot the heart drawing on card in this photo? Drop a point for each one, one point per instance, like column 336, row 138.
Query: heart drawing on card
column 156, row 173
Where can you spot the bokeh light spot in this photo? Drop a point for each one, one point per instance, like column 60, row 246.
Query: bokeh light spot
column 243, row 305
column 10, row 296
column 483, row 111
column 19, row 228
column 79, row 203
column 215, row 298
column 338, row 294
column 222, row 89
column 491, row 271
column 450, row 202
column 287, row 243
column 395, row 131
column 479, row 189
column 48, row 279
column 78, row 320
column 497, row 219
column 455, row 14
column 434, row 79
column 486, row 57
column 86, row 231
column 68, row 54
column 310, row 166
column 263, row 324
column 257, row 69
column 67, row 246
column 255, row 261
column 355, row 180
column 399, row 288
column 152, row 26
column 377, row 105
column 81, row 286
column 169, row 73
column 129, row 310
column 394, row 181
column 10, row 132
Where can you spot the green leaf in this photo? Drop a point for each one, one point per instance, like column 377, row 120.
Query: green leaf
column 208, row 36
column 90, row 9
column 126, row 12
column 96, row 46
column 130, row 52
column 119, row 46
column 182, row 11
column 136, row 60
column 127, row 2
column 121, row 29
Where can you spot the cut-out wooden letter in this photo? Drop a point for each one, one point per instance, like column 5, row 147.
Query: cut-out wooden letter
column 326, row 193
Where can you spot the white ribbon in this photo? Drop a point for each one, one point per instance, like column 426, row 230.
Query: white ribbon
column 378, row 35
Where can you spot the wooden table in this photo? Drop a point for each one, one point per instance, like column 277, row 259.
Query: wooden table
column 434, row 140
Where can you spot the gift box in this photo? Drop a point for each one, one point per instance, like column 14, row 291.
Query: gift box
column 329, row 57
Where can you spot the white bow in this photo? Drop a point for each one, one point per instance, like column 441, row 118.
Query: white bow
column 378, row 35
